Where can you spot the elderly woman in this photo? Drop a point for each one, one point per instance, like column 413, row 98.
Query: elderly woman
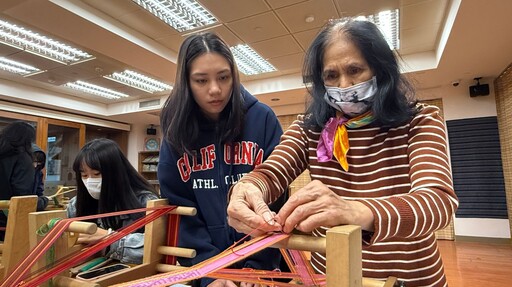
column 376, row 158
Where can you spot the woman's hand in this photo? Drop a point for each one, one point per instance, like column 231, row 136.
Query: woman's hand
column 316, row 205
column 247, row 211
column 92, row 238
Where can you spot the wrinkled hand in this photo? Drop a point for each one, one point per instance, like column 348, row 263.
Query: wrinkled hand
column 316, row 205
column 247, row 211
column 222, row 283
column 92, row 238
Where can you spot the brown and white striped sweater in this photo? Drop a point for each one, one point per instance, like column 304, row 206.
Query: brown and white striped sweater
column 402, row 174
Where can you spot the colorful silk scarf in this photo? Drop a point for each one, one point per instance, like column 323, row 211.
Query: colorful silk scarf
column 334, row 138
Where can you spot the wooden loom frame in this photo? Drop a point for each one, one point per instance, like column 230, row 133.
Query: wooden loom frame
column 66, row 245
column 342, row 247
column 16, row 244
column 16, row 239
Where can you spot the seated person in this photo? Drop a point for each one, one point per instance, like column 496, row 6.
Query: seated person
column 107, row 182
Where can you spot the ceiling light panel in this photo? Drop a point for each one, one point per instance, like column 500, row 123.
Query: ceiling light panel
column 138, row 81
column 388, row 22
column 249, row 62
column 17, row 67
column 40, row 45
column 95, row 90
column 182, row 15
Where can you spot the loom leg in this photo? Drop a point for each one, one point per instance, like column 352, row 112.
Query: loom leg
column 16, row 242
column 344, row 259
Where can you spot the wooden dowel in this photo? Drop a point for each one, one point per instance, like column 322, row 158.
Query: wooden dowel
column 390, row 282
column 83, row 227
column 303, row 242
column 61, row 281
column 183, row 210
column 176, row 251
column 4, row 204
column 61, row 193
column 164, row 268
column 1, row 248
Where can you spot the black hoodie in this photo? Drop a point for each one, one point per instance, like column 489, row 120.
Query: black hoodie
column 203, row 182
column 16, row 178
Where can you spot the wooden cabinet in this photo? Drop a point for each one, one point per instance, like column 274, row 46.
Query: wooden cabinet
column 148, row 164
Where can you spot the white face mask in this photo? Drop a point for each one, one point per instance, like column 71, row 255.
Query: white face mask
column 354, row 100
column 93, row 186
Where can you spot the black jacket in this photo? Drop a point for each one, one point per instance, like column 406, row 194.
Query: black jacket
column 16, row 178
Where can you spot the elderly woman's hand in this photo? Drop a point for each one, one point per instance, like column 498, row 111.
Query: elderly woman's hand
column 248, row 212
column 316, row 205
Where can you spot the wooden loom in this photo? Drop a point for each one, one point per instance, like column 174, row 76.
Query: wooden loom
column 154, row 247
column 342, row 247
column 16, row 244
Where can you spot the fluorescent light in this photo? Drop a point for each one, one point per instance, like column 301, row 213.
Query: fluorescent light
column 249, row 62
column 40, row 45
column 388, row 23
column 138, row 81
column 182, row 15
column 95, row 90
column 17, row 67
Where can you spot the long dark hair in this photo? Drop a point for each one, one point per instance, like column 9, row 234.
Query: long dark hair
column 17, row 137
column 181, row 116
column 393, row 103
column 121, row 183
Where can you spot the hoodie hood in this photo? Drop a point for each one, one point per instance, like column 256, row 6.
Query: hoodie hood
column 38, row 153
column 248, row 99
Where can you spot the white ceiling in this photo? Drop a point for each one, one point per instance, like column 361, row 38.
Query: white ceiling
column 440, row 41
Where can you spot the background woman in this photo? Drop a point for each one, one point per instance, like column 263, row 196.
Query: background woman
column 16, row 169
column 107, row 182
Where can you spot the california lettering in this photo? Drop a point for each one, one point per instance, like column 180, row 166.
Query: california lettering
column 240, row 153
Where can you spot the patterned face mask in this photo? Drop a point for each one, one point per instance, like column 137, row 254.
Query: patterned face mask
column 354, row 100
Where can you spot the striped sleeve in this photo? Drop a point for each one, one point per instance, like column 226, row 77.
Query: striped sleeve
column 431, row 201
column 287, row 161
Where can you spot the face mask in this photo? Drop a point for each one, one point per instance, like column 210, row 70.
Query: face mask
column 93, row 186
column 354, row 100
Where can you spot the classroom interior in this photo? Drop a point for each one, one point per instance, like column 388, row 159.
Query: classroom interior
column 446, row 47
